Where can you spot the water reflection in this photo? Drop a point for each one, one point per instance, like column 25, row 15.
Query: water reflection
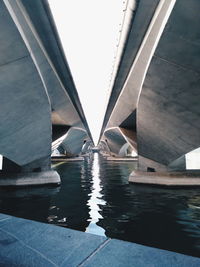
column 69, row 207
column 95, row 197
column 95, row 200
column 27, row 202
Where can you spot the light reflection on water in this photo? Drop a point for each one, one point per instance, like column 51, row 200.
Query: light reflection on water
column 95, row 200
column 95, row 197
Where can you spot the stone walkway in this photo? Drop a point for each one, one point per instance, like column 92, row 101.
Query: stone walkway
column 29, row 243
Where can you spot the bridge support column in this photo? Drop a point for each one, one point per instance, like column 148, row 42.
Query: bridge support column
column 169, row 179
column 36, row 173
column 153, row 173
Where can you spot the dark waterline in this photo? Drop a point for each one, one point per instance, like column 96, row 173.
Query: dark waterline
column 95, row 197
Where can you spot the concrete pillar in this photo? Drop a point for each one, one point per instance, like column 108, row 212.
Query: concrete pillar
column 168, row 109
column 25, row 111
column 74, row 141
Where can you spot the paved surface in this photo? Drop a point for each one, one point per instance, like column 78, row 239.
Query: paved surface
column 28, row 243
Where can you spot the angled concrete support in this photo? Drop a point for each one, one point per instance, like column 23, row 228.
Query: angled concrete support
column 168, row 109
column 25, row 112
column 37, row 90
column 87, row 146
column 156, row 94
column 147, row 24
column 168, row 112
column 74, row 142
column 119, row 141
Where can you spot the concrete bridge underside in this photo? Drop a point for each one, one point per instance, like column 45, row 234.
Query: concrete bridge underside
column 39, row 102
column 156, row 90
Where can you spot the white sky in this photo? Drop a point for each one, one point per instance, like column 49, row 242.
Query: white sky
column 89, row 31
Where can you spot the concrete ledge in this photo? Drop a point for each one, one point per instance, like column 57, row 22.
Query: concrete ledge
column 60, row 159
column 121, row 159
column 29, row 243
column 104, row 155
column 165, row 178
column 32, row 178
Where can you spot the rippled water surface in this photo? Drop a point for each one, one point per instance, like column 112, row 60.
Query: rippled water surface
column 95, row 197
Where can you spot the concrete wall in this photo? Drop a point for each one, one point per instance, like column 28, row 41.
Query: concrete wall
column 161, row 87
column 25, row 127
column 141, row 19
column 144, row 31
column 74, row 141
column 168, row 122
column 117, row 141
column 36, row 86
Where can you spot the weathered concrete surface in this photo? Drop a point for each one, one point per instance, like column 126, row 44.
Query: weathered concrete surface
column 103, row 147
column 165, row 178
column 122, row 108
column 74, row 141
column 33, row 178
column 25, row 107
column 43, row 22
column 87, row 147
column 29, row 243
column 37, row 28
column 168, row 110
column 139, row 25
column 159, row 99
column 118, row 141
column 37, row 89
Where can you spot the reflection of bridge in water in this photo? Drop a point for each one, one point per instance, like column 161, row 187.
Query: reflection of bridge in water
column 95, row 197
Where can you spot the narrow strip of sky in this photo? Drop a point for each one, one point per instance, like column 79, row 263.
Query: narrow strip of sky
column 89, row 32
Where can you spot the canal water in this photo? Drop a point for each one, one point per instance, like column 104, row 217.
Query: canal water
column 95, row 197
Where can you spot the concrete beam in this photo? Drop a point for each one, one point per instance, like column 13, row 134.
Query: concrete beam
column 166, row 64
column 74, row 141
column 122, row 107
column 41, row 43
column 34, row 93
column 168, row 111
column 139, row 24
column 118, row 140
column 25, row 106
